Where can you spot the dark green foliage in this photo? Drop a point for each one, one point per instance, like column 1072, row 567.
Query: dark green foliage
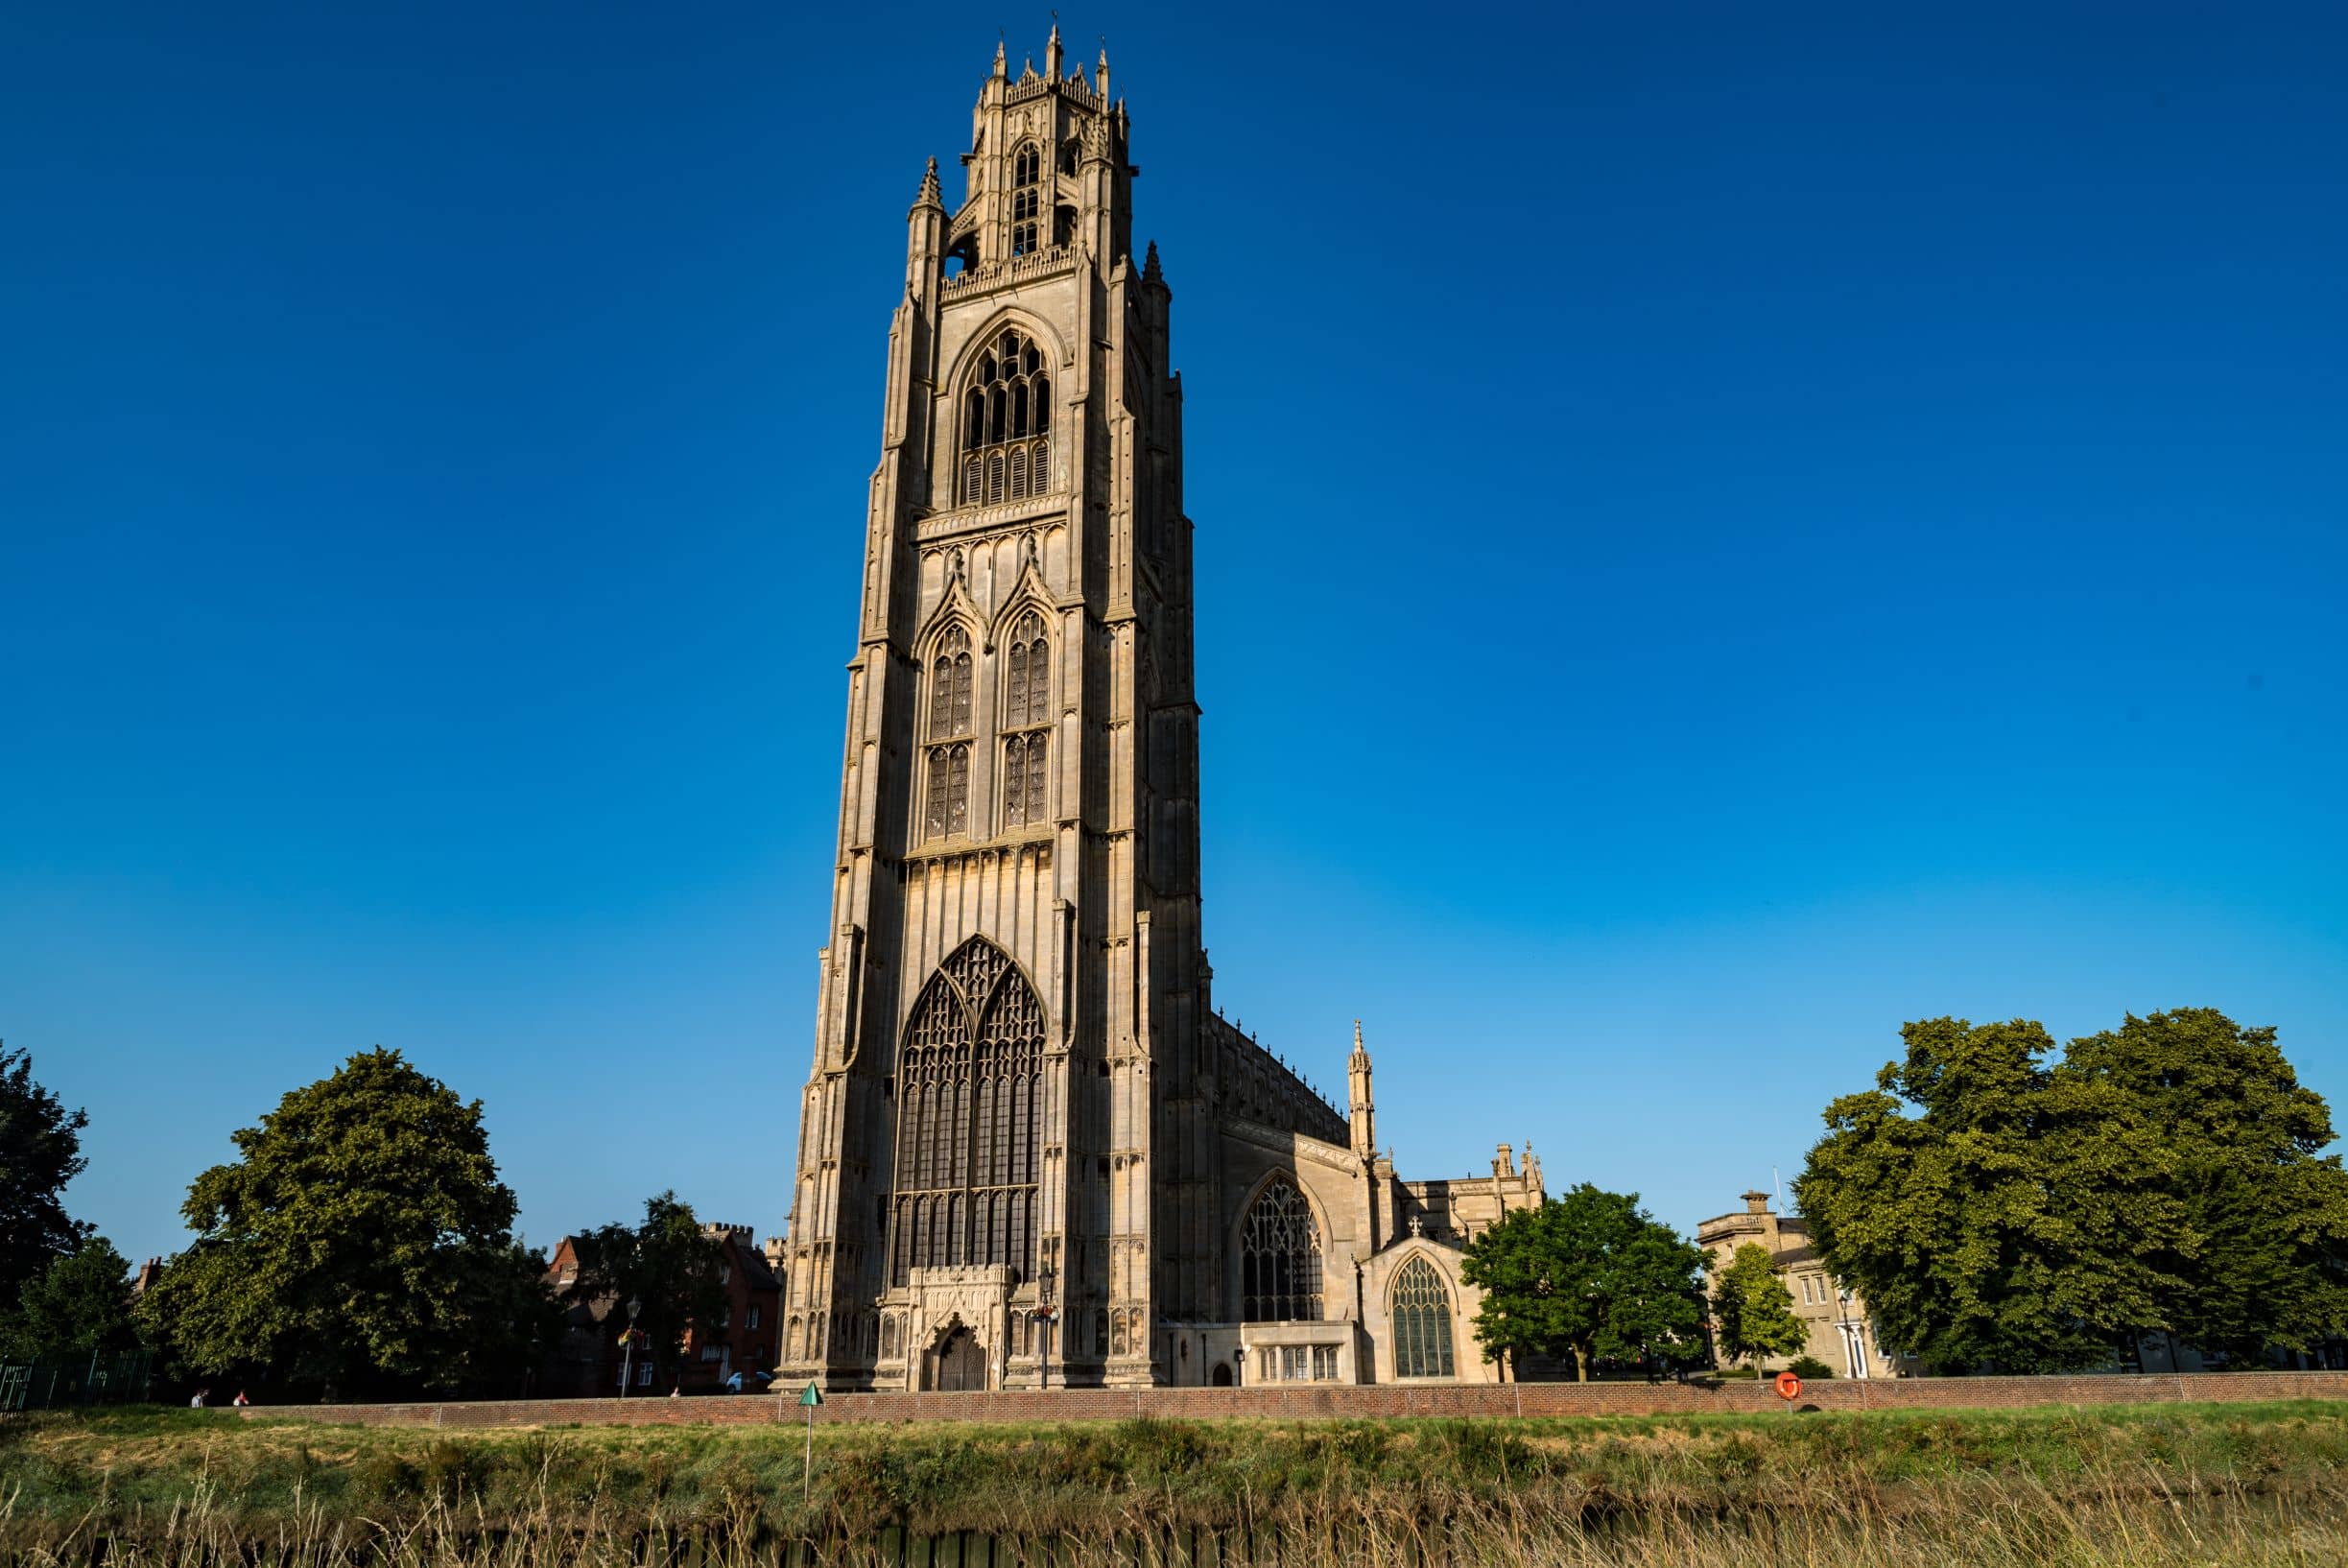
column 2260, row 1255
column 80, row 1303
column 1810, row 1369
column 1999, row 1209
column 1588, row 1274
column 361, row 1243
column 2010, row 1224
column 665, row 1265
column 1753, row 1308
column 40, row 1151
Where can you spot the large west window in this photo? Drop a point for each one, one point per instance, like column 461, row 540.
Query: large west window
column 969, row 1102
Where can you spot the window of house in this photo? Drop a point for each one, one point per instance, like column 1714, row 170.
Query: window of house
column 756, row 1311
column 1324, row 1363
column 725, row 1272
column 1295, row 1363
column 709, row 1352
column 644, row 1375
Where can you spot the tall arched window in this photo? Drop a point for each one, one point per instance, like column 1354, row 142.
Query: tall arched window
column 1027, row 170
column 1280, row 1258
column 1027, row 716
column 948, row 802
column 1006, row 422
column 969, row 1118
column 1421, row 1316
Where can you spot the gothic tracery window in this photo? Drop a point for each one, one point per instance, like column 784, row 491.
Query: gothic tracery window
column 1280, row 1273
column 1422, row 1317
column 1027, row 170
column 1006, row 422
column 1027, row 702
column 969, row 1102
column 947, row 805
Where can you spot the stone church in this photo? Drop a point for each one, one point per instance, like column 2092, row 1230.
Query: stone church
column 1031, row 1151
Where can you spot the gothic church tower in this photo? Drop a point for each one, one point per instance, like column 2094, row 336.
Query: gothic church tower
column 1006, row 1160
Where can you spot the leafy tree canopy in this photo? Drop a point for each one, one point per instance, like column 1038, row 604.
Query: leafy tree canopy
column 40, row 1151
column 2258, row 1256
column 1754, row 1309
column 362, row 1242
column 1588, row 1274
column 80, row 1303
column 1999, row 1208
column 667, row 1266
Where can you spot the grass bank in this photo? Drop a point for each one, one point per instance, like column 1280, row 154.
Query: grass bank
column 2115, row 1485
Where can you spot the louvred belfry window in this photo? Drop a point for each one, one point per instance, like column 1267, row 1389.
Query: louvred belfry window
column 946, row 808
column 1027, row 704
column 1280, row 1272
column 1006, row 422
column 1027, row 196
column 969, row 1129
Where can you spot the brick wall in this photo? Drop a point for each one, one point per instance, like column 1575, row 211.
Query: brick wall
column 1479, row 1399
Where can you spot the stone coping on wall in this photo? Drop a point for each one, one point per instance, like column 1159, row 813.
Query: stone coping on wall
column 1503, row 1399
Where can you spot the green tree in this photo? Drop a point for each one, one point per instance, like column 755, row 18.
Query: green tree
column 80, row 1303
column 1589, row 1275
column 1754, row 1309
column 362, row 1243
column 668, row 1266
column 2256, row 1256
column 2013, row 1222
column 40, row 1151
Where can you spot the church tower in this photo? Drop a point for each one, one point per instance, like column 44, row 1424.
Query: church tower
column 1006, row 1156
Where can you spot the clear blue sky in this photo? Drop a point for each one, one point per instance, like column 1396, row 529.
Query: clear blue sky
column 1720, row 529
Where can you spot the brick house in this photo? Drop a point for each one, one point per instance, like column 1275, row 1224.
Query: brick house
column 1841, row 1334
column 590, row 1360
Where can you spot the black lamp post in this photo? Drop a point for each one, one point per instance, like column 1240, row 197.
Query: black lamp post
column 1045, row 1278
column 628, row 1344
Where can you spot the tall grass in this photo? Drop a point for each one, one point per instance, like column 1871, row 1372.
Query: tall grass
column 2149, row 1487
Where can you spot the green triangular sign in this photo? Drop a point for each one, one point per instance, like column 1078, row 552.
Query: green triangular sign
column 811, row 1396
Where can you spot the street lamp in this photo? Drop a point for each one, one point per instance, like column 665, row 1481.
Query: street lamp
column 628, row 1343
column 1045, row 1278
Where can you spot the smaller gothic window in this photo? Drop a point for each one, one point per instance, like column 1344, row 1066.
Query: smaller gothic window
column 1028, row 690
column 1027, row 701
column 948, row 806
column 950, row 686
column 1422, row 1321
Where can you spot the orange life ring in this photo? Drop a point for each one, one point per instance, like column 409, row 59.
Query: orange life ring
column 1789, row 1386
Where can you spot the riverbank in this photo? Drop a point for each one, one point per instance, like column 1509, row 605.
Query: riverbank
column 182, row 1487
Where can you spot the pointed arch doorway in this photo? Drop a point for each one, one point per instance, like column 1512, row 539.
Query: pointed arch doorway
column 958, row 1364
